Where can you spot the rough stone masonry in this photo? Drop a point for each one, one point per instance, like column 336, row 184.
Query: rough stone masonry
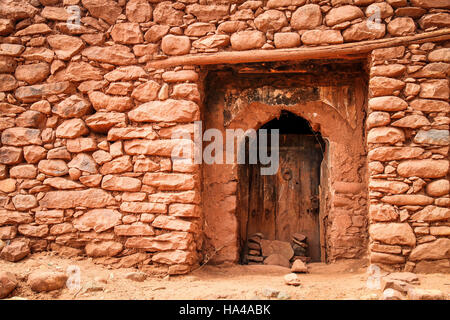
column 86, row 121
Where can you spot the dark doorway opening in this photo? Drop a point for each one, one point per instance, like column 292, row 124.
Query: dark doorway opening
column 283, row 206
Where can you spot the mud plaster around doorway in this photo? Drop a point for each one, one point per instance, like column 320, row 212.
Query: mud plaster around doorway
column 333, row 101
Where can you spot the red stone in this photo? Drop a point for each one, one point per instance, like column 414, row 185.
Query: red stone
column 427, row 168
column 103, row 121
column 90, row 198
column 33, row 231
column 101, row 102
column 72, row 107
column 168, row 110
column 270, row 20
column 246, row 40
column 401, row 26
column 82, row 71
column 438, row 249
column 127, row 33
column 394, row 153
column 408, row 199
column 169, row 181
column 165, row 14
column 212, row 41
column 115, row 54
column 322, row 37
column 65, row 47
column 199, row 29
column 412, row 121
column 31, row 119
column 21, row 136
column 14, row 217
column 384, row 86
column 107, row 10
column 32, row 73
column 173, row 223
column 116, row 183
column 306, row 17
column 81, row 145
column 36, row 92
column 439, row 55
column 26, row 171
column 393, row 233
column 342, row 14
column 286, row 40
column 184, row 210
column 435, row 89
column 431, row 214
column 180, row 76
column 118, row 165
column 8, row 283
column 49, row 217
column 438, row 188
column 15, row 251
column 139, row 11
column 143, row 207
column 54, row 168
column 72, row 128
column 206, row 13
column 147, row 91
column 176, row 45
column 175, row 257
column 156, row 32
column 385, row 135
column 134, row 230
column 103, row 249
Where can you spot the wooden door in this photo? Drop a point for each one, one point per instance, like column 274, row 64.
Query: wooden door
column 288, row 202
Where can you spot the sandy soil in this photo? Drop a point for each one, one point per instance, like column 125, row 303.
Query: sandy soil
column 342, row 280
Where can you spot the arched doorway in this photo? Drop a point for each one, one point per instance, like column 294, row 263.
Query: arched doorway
column 333, row 103
column 284, row 206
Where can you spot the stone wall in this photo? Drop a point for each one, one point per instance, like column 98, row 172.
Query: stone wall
column 86, row 121
column 408, row 138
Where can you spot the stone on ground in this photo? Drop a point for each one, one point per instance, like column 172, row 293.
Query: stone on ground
column 283, row 248
column 391, row 294
column 299, row 267
column 8, row 283
column 270, row 293
column 292, row 279
column 283, row 296
column 396, row 285
column 277, row 260
column 40, row 281
column 408, row 277
column 15, row 251
column 425, row 294
column 136, row 276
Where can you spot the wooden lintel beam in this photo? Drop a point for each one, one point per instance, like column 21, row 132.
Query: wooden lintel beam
column 340, row 51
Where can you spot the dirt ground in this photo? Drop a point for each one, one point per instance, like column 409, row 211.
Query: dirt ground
column 341, row 280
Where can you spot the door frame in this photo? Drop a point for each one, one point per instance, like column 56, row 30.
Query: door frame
column 243, row 197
